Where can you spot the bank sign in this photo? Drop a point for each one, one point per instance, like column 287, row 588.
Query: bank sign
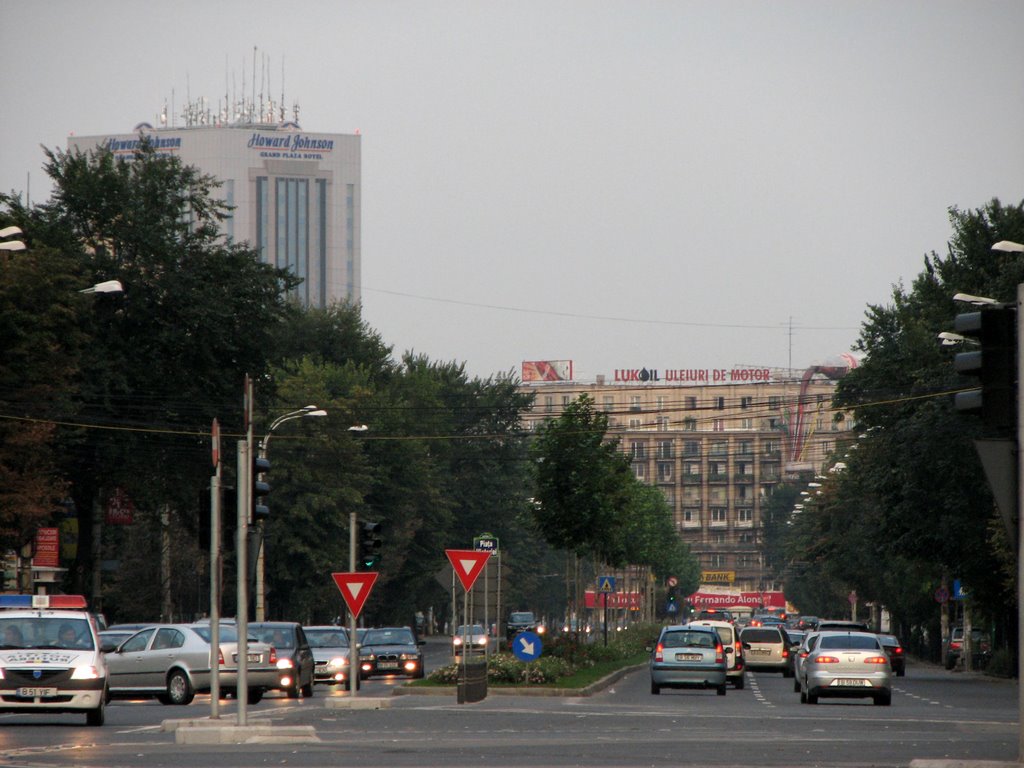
column 691, row 375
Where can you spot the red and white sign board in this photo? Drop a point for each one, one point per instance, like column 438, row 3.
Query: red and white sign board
column 355, row 588
column 47, row 548
column 467, row 563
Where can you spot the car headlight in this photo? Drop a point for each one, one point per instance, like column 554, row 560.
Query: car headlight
column 338, row 661
column 85, row 672
column 409, row 657
column 457, row 641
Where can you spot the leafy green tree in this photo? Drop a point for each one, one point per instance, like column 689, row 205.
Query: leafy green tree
column 913, row 495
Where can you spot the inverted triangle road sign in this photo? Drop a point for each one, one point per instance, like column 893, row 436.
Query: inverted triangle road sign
column 467, row 563
column 355, row 588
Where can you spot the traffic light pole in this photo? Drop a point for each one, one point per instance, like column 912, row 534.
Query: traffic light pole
column 1020, row 526
column 244, row 483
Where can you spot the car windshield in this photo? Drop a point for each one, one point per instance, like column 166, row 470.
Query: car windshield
column 327, row 638
column 46, row 632
column 755, row 635
column 521, row 618
column 476, row 629
column 688, row 639
column 388, row 637
column 850, row 642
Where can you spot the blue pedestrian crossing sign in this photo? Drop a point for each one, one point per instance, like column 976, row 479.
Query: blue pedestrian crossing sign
column 527, row 646
column 606, row 584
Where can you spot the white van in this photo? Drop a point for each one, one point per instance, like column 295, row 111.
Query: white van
column 729, row 636
column 50, row 657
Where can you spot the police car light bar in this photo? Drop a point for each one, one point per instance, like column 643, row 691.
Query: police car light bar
column 42, row 601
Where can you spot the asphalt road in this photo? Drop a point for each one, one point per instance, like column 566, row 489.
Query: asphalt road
column 935, row 714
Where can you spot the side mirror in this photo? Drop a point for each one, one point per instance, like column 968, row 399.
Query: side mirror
column 729, row 649
column 108, row 647
column 746, row 646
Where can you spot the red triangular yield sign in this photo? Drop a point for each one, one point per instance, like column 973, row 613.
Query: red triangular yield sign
column 355, row 588
column 467, row 564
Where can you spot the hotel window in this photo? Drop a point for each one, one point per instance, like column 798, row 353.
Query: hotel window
column 719, row 448
column 689, row 424
column 770, row 447
column 691, row 448
column 660, row 400
column 746, row 538
column 665, row 450
column 292, row 209
column 746, row 423
column 719, row 403
column 691, row 494
column 690, row 403
column 719, row 515
column 634, row 424
column 638, row 449
column 662, row 423
column 718, row 425
column 670, row 496
column 746, row 402
column 744, row 561
column 717, row 538
column 745, row 515
column 716, row 495
column 640, row 471
column 744, row 468
column 609, row 402
column 634, row 403
column 745, row 447
column 549, row 404
column 774, row 402
column 718, row 561
column 321, row 229
column 665, row 471
column 350, row 241
column 691, row 468
column 691, row 516
column 566, row 399
column 716, row 470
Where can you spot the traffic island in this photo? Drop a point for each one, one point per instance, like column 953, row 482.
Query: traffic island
column 358, row 702
column 206, row 731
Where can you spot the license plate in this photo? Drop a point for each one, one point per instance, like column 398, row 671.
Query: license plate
column 848, row 682
column 37, row 692
column 387, row 665
column 689, row 657
column 760, row 651
column 255, row 658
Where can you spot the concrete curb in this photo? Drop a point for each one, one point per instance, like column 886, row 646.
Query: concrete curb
column 359, row 702
column 496, row 690
column 208, row 731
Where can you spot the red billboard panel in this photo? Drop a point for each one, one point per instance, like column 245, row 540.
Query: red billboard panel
column 47, row 548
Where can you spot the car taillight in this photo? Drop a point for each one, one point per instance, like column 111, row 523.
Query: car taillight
column 876, row 660
column 954, row 645
column 220, row 657
column 785, row 653
column 658, row 652
column 273, row 655
column 897, row 651
column 826, row 660
column 719, row 654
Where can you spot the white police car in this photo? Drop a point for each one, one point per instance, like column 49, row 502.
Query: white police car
column 50, row 658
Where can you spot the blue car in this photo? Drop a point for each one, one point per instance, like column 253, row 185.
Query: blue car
column 689, row 656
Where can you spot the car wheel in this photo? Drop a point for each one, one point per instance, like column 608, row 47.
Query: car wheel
column 883, row 700
column 179, row 689
column 901, row 673
column 796, row 684
column 803, row 696
column 255, row 695
column 950, row 663
column 307, row 690
column 740, row 682
column 787, row 672
column 812, row 698
column 655, row 688
column 721, row 689
column 293, row 690
column 96, row 716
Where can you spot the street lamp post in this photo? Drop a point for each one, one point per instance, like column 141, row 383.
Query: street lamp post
column 310, row 411
column 1007, row 246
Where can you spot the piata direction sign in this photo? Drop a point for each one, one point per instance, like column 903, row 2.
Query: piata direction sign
column 355, row 588
column 467, row 563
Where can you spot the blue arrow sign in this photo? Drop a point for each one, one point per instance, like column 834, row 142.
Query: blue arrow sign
column 527, row 646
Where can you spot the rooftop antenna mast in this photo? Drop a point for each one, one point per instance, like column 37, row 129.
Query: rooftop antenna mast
column 282, row 89
column 253, row 80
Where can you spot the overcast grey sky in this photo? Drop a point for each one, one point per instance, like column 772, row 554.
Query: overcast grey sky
column 690, row 184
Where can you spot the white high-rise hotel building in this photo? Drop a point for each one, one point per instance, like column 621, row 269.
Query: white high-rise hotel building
column 296, row 195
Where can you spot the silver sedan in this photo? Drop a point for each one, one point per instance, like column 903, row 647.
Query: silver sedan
column 846, row 665
column 171, row 662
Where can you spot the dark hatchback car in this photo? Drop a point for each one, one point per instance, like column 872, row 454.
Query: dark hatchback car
column 390, row 651
column 894, row 650
column 294, row 656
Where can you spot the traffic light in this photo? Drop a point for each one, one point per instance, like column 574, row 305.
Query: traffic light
column 369, row 546
column 994, row 363
column 260, row 488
